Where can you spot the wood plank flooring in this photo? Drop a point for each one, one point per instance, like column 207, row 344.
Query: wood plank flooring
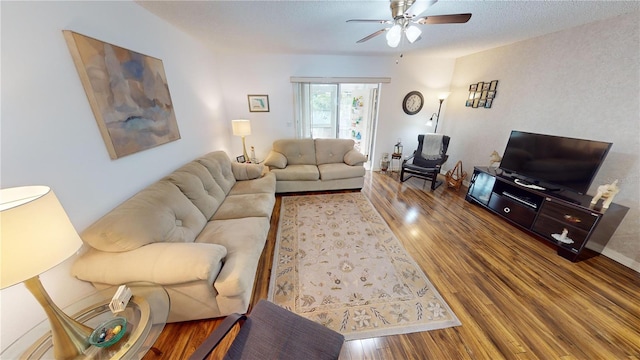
column 515, row 297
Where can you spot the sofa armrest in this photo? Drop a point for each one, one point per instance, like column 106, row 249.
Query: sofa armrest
column 354, row 157
column 246, row 171
column 276, row 160
column 160, row 263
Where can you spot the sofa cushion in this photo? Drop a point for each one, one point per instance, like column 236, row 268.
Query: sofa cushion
column 354, row 157
column 197, row 184
column 219, row 165
column 340, row 171
column 246, row 171
column 158, row 213
column 246, row 205
column 332, row 151
column 297, row 172
column 297, row 151
column 244, row 240
column 276, row 160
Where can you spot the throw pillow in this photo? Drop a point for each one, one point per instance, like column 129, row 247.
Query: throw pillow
column 354, row 157
column 276, row 160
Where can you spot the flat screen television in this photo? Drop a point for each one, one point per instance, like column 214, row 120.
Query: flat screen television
column 554, row 162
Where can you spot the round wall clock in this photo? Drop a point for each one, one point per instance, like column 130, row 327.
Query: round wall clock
column 412, row 103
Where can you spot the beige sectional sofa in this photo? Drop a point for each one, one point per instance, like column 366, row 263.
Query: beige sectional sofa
column 199, row 232
column 316, row 164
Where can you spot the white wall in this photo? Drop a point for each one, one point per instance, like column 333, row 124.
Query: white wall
column 270, row 74
column 582, row 82
column 49, row 134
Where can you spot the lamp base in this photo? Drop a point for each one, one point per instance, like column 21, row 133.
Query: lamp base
column 244, row 151
column 70, row 338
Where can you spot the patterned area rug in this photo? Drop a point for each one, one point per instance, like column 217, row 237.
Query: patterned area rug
column 337, row 263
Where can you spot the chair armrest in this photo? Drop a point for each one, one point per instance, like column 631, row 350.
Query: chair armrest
column 408, row 158
column 210, row 343
column 160, row 263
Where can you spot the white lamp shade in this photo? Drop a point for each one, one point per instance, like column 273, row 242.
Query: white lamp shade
column 413, row 33
column 241, row 127
column 36, row 233
column 444, row 96
column 394, row 35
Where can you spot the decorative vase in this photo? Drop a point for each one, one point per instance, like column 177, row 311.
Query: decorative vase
column 384, row 162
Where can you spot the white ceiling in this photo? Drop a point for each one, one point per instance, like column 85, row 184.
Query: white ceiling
column 320, row 27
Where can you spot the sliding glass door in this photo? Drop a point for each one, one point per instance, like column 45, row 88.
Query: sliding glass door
column 337, row 111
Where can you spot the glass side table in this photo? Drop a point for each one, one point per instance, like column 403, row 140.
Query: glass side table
column 146, row 316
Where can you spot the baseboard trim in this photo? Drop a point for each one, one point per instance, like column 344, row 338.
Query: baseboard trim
column 624, row 260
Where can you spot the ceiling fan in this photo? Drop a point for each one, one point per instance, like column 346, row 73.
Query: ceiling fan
column 405, row 15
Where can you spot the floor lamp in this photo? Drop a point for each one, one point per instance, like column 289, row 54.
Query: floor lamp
column 36, row 236
column 242, row 128
column 441, row 98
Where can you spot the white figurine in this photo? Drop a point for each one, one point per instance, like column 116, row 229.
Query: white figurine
column 494, row 158
column 606, row 192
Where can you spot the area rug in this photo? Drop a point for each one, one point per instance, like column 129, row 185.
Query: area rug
column 337, row 263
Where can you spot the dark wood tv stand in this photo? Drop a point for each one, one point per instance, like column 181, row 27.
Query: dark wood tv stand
column 547, row 214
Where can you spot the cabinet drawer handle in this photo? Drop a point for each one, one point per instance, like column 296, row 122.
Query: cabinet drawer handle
column 572, row 219
column 506, row 210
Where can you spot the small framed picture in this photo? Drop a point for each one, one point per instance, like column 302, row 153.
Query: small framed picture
column 493, row 85
column 473, row 87
column 469, row 102
column 241, row 159
column 487, row 104
column 484, row 94
column 480, row 84
column 258, row 103
column 485, row 86
column 472, row 95
column 482, row 103
column 475, row 103
column 491, row 94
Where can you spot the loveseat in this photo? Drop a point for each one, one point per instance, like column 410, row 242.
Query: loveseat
column 199, row 232
column 315, row 165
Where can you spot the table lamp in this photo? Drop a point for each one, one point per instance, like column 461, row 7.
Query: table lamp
column 36, row 236
column 242, row 128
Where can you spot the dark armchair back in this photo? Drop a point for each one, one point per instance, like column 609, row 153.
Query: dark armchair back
column 418, row 160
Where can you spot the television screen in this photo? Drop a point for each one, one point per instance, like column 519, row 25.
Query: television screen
column 554, row 161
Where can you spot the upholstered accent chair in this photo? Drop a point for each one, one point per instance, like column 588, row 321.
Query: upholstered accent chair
column 272, row 332
column 426, row 161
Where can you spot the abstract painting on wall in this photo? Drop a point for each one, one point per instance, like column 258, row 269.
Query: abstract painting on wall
column 128, row 94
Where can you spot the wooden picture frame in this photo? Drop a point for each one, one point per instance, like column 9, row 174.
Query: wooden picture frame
column 493, row 85
column 128, row 94
column 488, row 104
column 473, row 87
column 258, row 103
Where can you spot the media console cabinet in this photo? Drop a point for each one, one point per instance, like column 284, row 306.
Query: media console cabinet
column 563, row 218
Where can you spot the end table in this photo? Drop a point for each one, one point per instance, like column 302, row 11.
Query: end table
column 146, row 316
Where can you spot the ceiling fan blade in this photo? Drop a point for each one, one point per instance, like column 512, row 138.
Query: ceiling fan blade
column 371, row 21
column 372, row 35
column 418, row 7
column 444, row 19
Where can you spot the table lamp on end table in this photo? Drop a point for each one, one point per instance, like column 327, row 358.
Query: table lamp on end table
column 36, row 236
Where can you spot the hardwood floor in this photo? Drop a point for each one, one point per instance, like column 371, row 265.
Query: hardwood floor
column 515, row 297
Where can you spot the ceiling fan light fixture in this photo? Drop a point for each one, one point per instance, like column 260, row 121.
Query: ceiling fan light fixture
column 413, row 33
column 394, row 35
